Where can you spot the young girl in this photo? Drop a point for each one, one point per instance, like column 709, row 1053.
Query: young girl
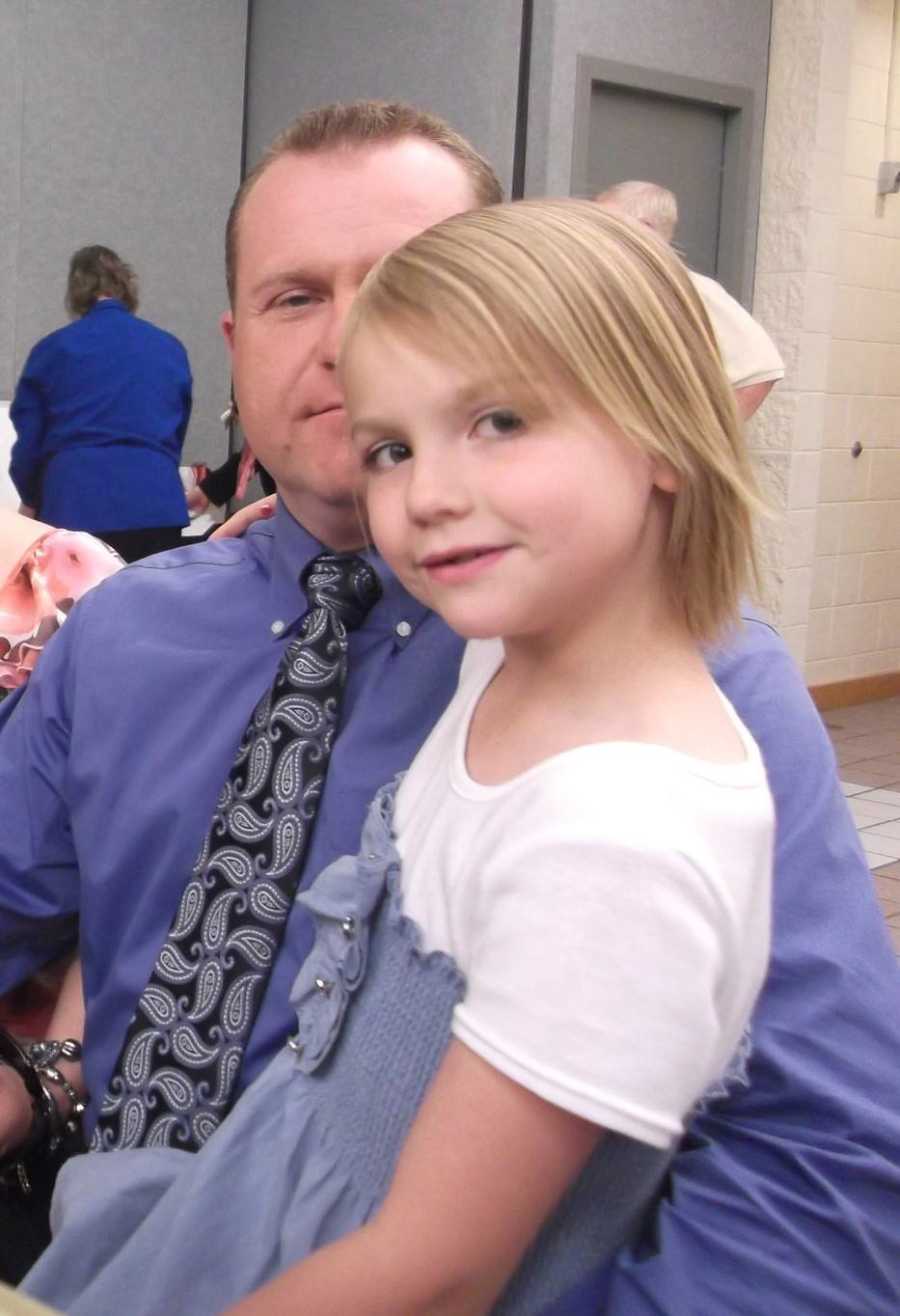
column 550, row 943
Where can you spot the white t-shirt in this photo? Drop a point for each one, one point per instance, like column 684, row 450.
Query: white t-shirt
column 748, row 353
column 609, row 908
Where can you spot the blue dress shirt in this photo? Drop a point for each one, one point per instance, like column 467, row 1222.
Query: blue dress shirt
column 129, row 728
column 100, row 414
column 783, row 1196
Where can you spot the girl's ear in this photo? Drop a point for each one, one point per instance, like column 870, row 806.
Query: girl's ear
column 665, row 476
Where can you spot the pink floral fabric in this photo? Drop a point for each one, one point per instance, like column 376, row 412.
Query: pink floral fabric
column 43, row 572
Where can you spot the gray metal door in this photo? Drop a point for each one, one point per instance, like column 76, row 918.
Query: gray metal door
column 678, row 143
column 691, row 136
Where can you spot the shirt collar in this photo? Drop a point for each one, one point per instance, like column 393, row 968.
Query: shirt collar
column 293, row 548
column 108, row 304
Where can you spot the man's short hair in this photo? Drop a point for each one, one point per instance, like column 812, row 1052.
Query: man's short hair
column 354, row 125
column 98, row 272
column 650, row 203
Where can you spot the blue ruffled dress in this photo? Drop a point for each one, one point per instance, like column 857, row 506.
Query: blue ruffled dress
column 309, row 1151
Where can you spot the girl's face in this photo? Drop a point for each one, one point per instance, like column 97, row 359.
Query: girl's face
column 504, row 520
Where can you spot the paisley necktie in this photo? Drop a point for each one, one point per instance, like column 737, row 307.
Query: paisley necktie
column 175, row 1076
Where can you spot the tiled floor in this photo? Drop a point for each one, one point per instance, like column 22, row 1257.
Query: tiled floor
column 866, row 739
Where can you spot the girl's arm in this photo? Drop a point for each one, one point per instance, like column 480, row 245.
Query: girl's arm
column 484, row 1164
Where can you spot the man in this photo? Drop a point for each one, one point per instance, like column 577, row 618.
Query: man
column 782, row 1195
column 751, row 359
column 303, row 233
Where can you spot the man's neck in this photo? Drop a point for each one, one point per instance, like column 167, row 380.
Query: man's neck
column 337, row 527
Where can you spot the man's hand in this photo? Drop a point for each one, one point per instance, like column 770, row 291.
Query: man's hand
column 15, row 1110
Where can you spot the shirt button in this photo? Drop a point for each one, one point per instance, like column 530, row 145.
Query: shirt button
column 403, row 629
column 277, row 627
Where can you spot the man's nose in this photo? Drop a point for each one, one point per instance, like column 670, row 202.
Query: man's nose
column 333, row 330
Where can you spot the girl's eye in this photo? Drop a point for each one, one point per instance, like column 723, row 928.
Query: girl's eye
column 386, row 456
column 499, row 424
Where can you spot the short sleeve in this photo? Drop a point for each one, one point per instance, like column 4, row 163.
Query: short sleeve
column 600, row 975
column 748, row 353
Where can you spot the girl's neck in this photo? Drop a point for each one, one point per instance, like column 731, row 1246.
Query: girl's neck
column 635, row 631
column 633, row 673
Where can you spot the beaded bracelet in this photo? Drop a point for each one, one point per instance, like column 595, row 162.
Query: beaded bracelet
column 35, row 1066
column 42, row 1103
column 42, row 1056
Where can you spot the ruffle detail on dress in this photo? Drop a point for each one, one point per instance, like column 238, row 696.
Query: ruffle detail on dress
column 342, row 902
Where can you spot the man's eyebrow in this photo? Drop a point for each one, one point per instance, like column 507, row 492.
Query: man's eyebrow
column 285, row 278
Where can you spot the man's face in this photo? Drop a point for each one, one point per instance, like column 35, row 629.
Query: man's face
column 310, row 230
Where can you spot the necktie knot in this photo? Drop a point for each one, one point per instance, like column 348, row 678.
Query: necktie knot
column 344, row 584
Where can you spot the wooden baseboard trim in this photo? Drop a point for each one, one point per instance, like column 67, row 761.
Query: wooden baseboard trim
column 861, row 690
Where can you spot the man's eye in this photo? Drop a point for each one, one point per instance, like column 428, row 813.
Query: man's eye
column 293, row 300
column 500, row 423
column 386, row 455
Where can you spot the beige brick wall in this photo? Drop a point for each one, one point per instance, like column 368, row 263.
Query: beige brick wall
column 854, row 617
column 828, row 289
column 795, row 282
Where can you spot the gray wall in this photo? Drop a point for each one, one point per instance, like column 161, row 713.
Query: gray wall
column 717, row 40
column 459, row 58
column 120, row 122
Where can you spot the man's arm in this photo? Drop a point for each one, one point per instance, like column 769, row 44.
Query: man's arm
column 752, row 362
column 783, row 1197
column 39, row 886
column 750, row 398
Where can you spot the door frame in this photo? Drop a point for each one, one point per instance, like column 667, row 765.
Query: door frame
column 737, row 104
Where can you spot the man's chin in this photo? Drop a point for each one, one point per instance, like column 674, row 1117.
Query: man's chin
column 332, row 511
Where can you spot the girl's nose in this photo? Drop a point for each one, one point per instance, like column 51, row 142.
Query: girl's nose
column 436, row 489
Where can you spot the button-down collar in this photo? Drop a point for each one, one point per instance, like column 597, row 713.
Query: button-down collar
column 294, row 548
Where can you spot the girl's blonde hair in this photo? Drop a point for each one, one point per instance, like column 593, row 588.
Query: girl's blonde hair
column 562, row 294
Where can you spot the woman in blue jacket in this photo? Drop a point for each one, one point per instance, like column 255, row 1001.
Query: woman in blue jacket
column 100, row 413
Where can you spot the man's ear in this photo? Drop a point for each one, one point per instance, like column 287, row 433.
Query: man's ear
column 226, row 323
